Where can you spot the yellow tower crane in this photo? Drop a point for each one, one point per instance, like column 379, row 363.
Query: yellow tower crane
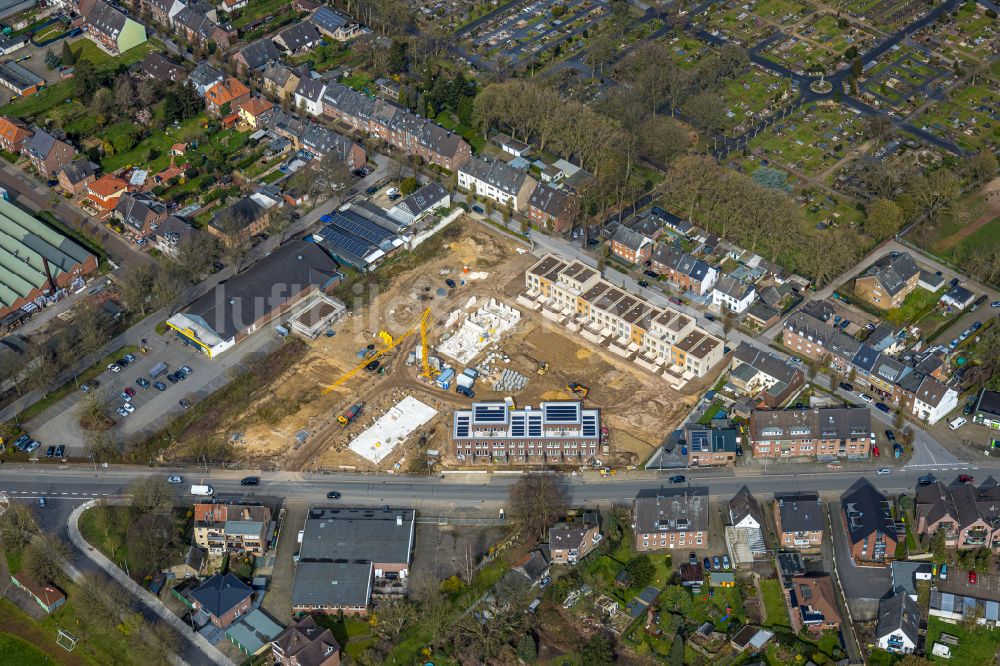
column 390, row 344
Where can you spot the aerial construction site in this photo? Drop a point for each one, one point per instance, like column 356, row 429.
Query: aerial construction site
column 379, row 394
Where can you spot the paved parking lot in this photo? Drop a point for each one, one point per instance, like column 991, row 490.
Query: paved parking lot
column 859, row 582
column 153, row 408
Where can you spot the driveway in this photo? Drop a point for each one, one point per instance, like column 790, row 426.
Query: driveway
column 862, row 585
column 278, row 601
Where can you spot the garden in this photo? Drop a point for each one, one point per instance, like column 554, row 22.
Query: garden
column 976, row 645
column 811, row 140
column 967, row 118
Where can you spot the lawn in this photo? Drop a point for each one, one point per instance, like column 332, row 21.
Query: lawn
column 22, row 653
column 449, row 121
column 710, row 413
column 160, row 142
column 917, row 304
column 774, row 603
column 352, row 633
column 975, row 646
column 114, row 544
column 257, row 10
column 811, row 141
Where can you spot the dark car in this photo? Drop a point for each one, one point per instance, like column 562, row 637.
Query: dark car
column 122, row 361
column 882, row 407
column 296, row 215
column 476, row 208
column 250, row 481
column 650, row 274
column 451, row 283
column 160, row 386
column 185, row 403
column 172, row 378
column 965, row 478
column 371, row 190
column 926, row 480
column 394, row 196
column 677, row 478
column 143, row 382
column 49, row 452
column 643, row 283
column 373, row 366
column 890, row 435
column 466, row 391
column 333, row 494
column 968, row 409
column 844, row 386
column 358, row 173
column 217, row 266
column 707, row 563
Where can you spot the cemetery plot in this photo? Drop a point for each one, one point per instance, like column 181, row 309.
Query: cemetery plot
column 903, row 79
column 969, row 34
column 755, row 95
column 739, row 21
column 823, row 44
column 812, row 140
column 971, row 118
column 887, row 15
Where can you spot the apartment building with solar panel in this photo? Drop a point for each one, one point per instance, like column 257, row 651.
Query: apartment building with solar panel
column 556, row 433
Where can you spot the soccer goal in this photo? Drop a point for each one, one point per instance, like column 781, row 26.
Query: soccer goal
column 66, row 640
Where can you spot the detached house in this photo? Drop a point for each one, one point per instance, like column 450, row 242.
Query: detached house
column 888, row 281
column 226, row 97
column 76, row 176
column 733, row 294
column 256, row 112
column 552, row 208
column 224, row 598
column 631, row 246
column 571, row 542
column 157, row 67
column 799, row 517
column 871, row 528
column 110, row 27
column 298, row 37
column 104, row 192
column 46, row 153
column 898, row 629
column 745, row 533
column 334, row 24
column 257, row 55
column 668, row 519
column 497, row 181
column 816, row 601
column 305, row 643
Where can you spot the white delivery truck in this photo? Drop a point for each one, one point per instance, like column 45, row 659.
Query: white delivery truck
column 202, row 490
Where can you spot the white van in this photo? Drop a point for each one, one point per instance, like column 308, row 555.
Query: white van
column 392, row 191
column 202, row 490
column 956, row 423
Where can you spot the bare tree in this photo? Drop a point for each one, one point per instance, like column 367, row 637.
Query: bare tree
column 92, row 411
column 151, row 494
column 17, row 527
column 537, row 501
column 44, row 558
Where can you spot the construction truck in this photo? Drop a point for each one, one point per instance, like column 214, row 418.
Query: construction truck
column 352, row 413
column 543, row 367
column 578, row 388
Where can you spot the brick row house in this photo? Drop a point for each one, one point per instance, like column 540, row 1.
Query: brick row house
column 683, row 270
column 765, row 377
column 556, row 432
column 872, row 533
column 552, row 208
column 826, row 433
column 968, row 516
column 577, row 295
column 799, row 518
column 631, row 246
column 497, row 181
column 400, row 128
column 914, row 387
column 110, row 27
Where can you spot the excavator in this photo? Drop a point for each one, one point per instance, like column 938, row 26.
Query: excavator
column 579, row 389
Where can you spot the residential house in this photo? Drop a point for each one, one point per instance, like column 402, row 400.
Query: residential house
column 799, row 520
column 13, row 133
column 226, row 97
column 157, row 67
column 323, row 141
column 764, row 376
column 683, row 270
column 667, row 519
column 140, row 212
column 194, row 25
column 906, row 574
column 733, row 294
column 231, row 528
column 817, row 603
column 493, row 433
column 255, row 56
column 648, row 225
column 402, row 129
column 204, row 76
column 745, row 533
column 279, row 80
column 253, row 633
column 968, row 516
column 305, row 643
column 103, row 193
column 497, row 181
column 298, row 38
column 230, row 6
column 888, row 282
column 308, row 95
column 762, row 316
column 829, row 433
column 898, row 628
column 46, row 153
column 224, row 598
column 110, row 27
column 806, row 335
column 958, row 297
column 987, row 409
column 45, row 595
column 345, row 554
column 193, row 565
column 256, row 112
column 631, row 246
column 571, row 542
column 240, row 221
column 334, row 24
column 421, row 203
column 170, row 234
column 76, row 176
column 551, row 208
column 711, row 447
column 871, row 528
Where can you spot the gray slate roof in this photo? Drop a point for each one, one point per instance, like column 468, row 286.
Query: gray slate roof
column 357, row 534
column 899, row 614
column 260, row 53
column 422, row 199
column 341, row 583
column 505, row 178
column 893, row 272
column 867, row 512
column 800, row 511
column 221, row 593
column 671, row 510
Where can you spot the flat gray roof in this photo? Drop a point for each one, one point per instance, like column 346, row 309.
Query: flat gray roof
column 358, row 534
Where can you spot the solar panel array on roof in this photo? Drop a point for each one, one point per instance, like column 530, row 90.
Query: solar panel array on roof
column 590, row 425
column 362, row 228
column 462, row 426
column 490, row 413
column 561, row 412
column 534, row 425
column 699, row 440
column 346, row 242
column 517, row 425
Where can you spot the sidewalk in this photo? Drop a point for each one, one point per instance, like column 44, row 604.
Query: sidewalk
column 144, row 596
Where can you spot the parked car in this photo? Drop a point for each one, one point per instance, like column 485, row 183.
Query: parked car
column 867, row 398
column 882, row 471
column 716, row 562
column 172, row 378
column 114, row 367
column 125, row 396
column 121, row 412
column 143, row 382
column 882, row 407
column 128, row 407
column 972, row 578
column 333, row 494
column 451, row 283
column 123, row 361
column 649, row 273
column 965, row 478
column 926, row 480
column 217, row 266
column 706, row 563
column 890, row 435
column 49, row 452
column 129, row 358
column 725, row 561
column 476, row 208
column 643, row 283
column 186, row 370
column 371, row 190
column 995, row 304
column 875, row 451
column 676, row 478
column 544, row 583
column 844, row 386
column 60, row 451
column 85, row 387
column 184, row 403
column 175, row 479
column 160, row 386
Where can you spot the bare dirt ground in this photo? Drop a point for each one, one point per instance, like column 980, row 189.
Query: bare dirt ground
column 638, row 407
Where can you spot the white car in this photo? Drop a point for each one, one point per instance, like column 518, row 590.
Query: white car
column 125, row 396
column 175, row 479
column 867, row 398
column 882, row 471
column 114, row 367
column 128, row 407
